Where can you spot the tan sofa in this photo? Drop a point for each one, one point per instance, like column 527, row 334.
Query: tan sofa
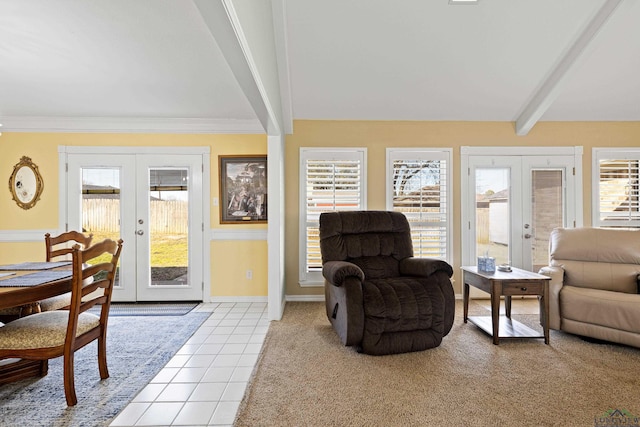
column 593, row 290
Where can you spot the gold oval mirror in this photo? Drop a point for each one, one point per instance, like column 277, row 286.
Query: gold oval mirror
column 26, row 183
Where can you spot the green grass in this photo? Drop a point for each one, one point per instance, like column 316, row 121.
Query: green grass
column 167, row 250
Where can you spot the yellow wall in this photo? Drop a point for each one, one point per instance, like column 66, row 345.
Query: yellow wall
column 376, row 136
column 43, row 150
column 230, row 259
column 243, row 256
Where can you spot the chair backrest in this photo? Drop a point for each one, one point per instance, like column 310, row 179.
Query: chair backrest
column 597, row 258
column 376, row 241
column 93, row 268
column 54, row 244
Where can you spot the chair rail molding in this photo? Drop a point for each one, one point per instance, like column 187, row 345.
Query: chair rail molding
column 25, row 235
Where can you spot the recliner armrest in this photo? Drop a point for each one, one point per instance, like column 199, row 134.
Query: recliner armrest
column 423, row 267
column 556, row 274
column 337, row 271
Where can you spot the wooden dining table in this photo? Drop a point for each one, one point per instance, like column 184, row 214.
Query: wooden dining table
column 24, row 285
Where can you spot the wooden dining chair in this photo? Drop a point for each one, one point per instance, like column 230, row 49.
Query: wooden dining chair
column 52, row 334
column 58, row 248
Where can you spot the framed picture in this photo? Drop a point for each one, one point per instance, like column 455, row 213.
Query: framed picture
column 243, row 189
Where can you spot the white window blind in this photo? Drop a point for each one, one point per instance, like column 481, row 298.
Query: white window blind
column 419, row 185
column 330, row 180
column 617, row 202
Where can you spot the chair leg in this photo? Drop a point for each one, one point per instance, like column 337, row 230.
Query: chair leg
column 69, row 381
column 102, row 356
column 44, row 367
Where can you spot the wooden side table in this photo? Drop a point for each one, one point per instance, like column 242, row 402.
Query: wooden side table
column 517, row 282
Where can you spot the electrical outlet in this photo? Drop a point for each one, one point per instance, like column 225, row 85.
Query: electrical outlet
column 215, row 201
column 249, row 274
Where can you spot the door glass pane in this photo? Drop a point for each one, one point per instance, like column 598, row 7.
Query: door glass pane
column 546, row 212
column 101, row 205
column 493, row 222
column 168, row 226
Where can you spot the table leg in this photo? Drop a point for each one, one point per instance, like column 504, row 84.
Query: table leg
column 465, row 301
column 495, row 311
column 507, row 306
column 545, row 308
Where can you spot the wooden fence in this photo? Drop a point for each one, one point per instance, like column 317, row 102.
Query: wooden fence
column 167, row 216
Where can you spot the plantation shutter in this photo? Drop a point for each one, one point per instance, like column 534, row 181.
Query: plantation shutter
column 333, row 181
column 420, row 186
column 618, row 202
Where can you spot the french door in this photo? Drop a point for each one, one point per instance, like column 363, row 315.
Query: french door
column 513, row 198
column 154, row 202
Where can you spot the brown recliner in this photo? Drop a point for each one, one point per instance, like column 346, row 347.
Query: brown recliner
column 378, row 297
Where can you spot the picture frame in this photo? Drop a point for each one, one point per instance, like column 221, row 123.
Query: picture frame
column 243, row 189
column 26, row 183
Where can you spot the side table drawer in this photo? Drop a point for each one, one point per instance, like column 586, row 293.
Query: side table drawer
column 522, row 288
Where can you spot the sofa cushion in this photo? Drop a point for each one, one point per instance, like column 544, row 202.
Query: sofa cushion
column 615, row 310
column 595, row 245
column 600, row 275
column 597, row 258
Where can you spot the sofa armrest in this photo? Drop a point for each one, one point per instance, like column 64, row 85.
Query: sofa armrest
column 423, row 267
column 336, row 272
column 555, row 285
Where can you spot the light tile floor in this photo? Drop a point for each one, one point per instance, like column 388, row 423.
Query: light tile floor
column 203, row 384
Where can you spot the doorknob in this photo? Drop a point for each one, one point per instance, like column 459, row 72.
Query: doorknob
column 139, row 232
column 526, row 236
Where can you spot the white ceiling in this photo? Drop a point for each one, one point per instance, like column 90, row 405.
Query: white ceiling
column 156, row 65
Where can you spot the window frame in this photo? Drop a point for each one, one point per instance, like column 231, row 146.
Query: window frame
column 598, row 155
column 425, row 154
column 314, row 278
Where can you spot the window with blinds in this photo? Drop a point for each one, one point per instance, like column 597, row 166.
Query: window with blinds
column 330, row 180
column 618, row 188
column 419, row 185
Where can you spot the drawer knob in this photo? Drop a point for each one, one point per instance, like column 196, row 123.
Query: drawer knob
column 523, row 288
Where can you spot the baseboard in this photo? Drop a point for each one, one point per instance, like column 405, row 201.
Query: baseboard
column 304, row 298
column 238, row 299
column 287, row 298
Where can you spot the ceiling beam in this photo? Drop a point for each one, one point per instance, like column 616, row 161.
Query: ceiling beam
column 549, row 89
column 215, row 16
column 282, row 52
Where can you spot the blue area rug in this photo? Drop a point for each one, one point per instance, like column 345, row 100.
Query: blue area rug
column 137, row 348
column 147, row 309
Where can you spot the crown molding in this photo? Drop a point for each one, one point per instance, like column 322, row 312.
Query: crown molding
column 129, row 125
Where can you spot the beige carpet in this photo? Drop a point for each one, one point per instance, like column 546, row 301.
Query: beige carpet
column 305, row 377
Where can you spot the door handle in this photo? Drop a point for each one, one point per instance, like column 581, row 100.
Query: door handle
column 139, row 232
column 528, row 236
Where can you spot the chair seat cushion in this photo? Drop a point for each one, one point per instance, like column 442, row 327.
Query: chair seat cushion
column 402, row 314
column 55, row 303
column 396, row 304
column 11, row 311
column 43, row 330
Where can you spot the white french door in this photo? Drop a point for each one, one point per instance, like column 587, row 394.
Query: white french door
column 154, row 202
column 513, row 198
